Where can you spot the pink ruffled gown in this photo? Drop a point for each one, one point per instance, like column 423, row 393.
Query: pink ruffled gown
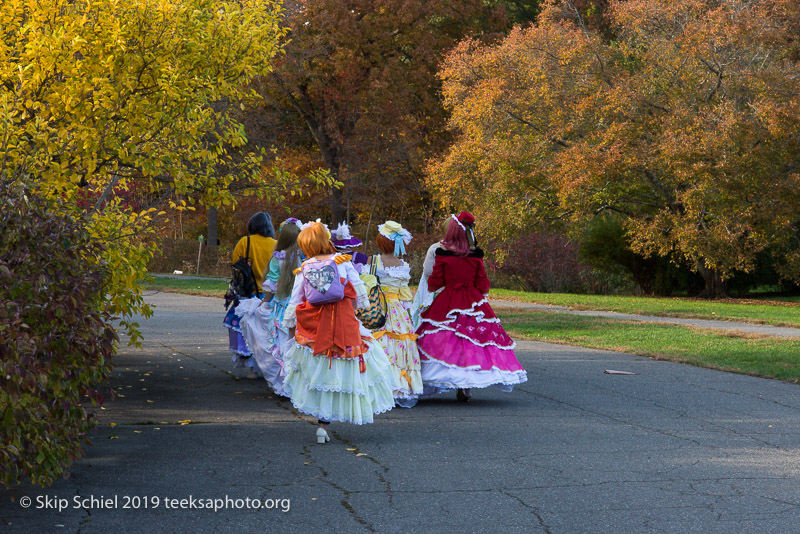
column 460, row 340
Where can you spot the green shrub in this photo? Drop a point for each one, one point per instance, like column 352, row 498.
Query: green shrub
column 606, row 247
column 56, row 340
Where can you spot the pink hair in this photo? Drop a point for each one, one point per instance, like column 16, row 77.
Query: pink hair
column 455, row 239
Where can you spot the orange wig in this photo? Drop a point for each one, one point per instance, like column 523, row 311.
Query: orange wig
column 315, row 241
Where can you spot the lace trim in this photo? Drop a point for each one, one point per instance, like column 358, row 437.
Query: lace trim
column 338, row 419
column 476, row 368
column 380, row 378
column 396, row 271
column 463, row 311
column 290, row 316
column 479, row 317
column 292, row 344
column 234, row 328
column 325, row 389
column 270, row 285
column 443, row 387
column 464, row 336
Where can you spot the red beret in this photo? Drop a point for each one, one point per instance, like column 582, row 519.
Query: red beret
column 466, row 217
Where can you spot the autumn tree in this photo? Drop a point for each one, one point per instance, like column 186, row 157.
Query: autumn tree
column 96, row 99
column 357, row 91
column 97, row 96
column 685, row 124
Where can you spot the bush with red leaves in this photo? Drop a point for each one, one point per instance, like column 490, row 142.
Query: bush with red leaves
column 56, row 340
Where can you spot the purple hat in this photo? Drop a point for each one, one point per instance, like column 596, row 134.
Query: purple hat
column 342, row 239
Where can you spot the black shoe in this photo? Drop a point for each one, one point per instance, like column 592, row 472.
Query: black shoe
column 463, row 395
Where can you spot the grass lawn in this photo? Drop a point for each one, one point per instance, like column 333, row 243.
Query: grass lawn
column 767, row 357
column 773, row 312
column 204, row 287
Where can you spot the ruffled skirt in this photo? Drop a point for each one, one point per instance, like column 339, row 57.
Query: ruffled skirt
column 257, row 324
column 275, row 372
column 334, row 389
column 399, row 342
column 237, row 344
column 468, row 350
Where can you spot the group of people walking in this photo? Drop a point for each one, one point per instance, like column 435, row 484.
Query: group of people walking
column 300, row 329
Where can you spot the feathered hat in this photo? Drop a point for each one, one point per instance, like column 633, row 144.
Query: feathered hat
column 342, row 239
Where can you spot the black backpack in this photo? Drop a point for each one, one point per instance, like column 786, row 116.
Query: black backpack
column 243, row 279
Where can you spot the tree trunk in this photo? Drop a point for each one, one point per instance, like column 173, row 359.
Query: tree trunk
column 714, row 285
column 330, row 155
column 336, row 206
column 213, row 235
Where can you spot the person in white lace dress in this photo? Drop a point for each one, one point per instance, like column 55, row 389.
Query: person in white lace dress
column 397, row 336
column 335, row 370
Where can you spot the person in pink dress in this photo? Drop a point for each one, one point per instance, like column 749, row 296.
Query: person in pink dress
column 461, row 343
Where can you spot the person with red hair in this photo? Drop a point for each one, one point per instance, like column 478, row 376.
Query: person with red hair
column 335, row 369
column 460, row 340
column 397, row 335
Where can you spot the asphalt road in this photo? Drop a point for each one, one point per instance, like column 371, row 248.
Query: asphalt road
column 671, row 449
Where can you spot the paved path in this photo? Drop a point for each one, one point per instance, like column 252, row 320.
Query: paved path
column 672, row 449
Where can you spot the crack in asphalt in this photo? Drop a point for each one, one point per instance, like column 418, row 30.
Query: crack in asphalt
column 345, row 502
column 533, row 510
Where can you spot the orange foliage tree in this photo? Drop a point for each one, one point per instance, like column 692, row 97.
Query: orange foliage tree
column 684, row 122
column 356, row 91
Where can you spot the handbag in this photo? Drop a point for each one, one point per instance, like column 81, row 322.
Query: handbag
column 374, row 315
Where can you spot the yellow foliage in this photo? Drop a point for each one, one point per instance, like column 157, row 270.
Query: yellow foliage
column 97, row 94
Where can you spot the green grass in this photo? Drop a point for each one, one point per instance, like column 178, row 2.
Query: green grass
column 773, row 312
column 210, row 287
column 767, row 357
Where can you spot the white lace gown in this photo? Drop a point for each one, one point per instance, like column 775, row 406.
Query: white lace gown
column 346, row 389
column 397, row 336
column 423, row 298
